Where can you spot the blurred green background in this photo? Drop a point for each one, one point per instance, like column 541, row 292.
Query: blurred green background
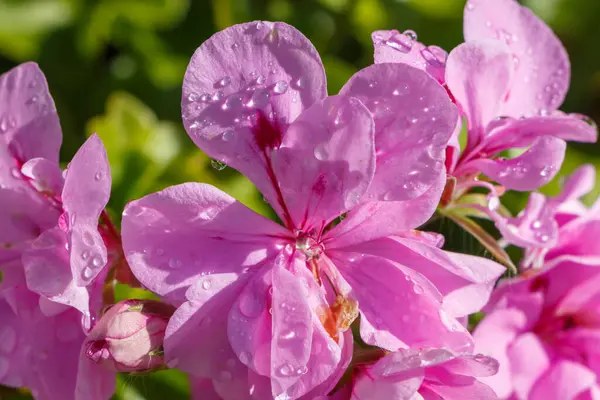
column 115, row 67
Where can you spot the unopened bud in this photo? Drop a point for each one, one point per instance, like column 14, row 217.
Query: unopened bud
column 129, row 336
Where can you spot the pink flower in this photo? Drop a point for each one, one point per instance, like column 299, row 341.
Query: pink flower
column 273, row 303
column 544, row 326
column 421, row 374
column 129, row 336
column 41, row 351
column 51, row 247
column 508, row 79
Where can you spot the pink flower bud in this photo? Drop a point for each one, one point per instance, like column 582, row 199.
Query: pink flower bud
column 129, row 336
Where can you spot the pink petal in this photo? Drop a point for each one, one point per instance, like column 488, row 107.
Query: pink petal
column 376, row 220
column 28, row 122
column 302, row 354
column 45, row 175
column 401, row 291
column 13, row 363
column 534, row 168
column 85, row 194
column 578, row 184
column 478, row 75
column 173, row 237
column 203, row 389
column 245, row 68
column 495, row 334
column 204, row 315
column 540, row 62
column 464, row 389
column 249, row 326
column 414, row 120
column 395, row 47
column 565, row 380
column 94, row 382
column 48, row 271
column 535, row 226
column 528, row 362
column 465, row 281
column 396, row 376
column 333, row 141
column 476, row 365
column 518, row 133
column 24, row 216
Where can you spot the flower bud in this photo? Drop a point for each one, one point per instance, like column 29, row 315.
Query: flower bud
column 129, row 336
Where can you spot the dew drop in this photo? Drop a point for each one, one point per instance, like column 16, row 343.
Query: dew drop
column 97, row 261
column 284, row 370
column 227, row 135
column 536, row 225
column 218, row 165
column 85, row 255
column 87, row 273
column 88, row 239
column 192, row 97
column 205, row 98
column 280, row 87
column 259, row 25
column 217, row 96
column 98, row 176
column 418, row 289
column 260, row 80
column 321, row 153
column 206, row 284
column 470, row 6
column 412, row 35
column 225, row 81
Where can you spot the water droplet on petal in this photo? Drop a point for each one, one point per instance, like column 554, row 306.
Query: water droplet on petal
column 98, row 176
column 470, row 6
column 412, row 35
column 536, row 225
column 192, row 97
column 87, row 273
column 280, row 87
column 206, row 284
column 85, row 255
column 225, row 81
column 97, row 261
column 284, row 370
column 218, row 165
column 321, row 153
column 259, row 25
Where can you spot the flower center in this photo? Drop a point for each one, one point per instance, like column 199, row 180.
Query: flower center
column 309, row 245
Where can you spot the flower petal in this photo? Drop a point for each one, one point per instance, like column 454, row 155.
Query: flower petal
column 411, row 135
column 29, row 123
column 303, row 355
column 204, row 315
column 520, row 133
column 94, row 381
column 401, row 292
column 45, row 175
column 173, row 237
column 535, row 226
column 528, row 362
column 245, row 68
column 374, row 220
column 333, row 142
column 48, row 271
column 478, row 74
column 85, row 194
column 541, row 64
column 395, row 47
column 534, row 168
column 565, row 380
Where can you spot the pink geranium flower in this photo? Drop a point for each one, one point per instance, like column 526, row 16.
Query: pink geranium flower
column 508, row 78
column 272, row 303
column 543, row 326
column 52, row 248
